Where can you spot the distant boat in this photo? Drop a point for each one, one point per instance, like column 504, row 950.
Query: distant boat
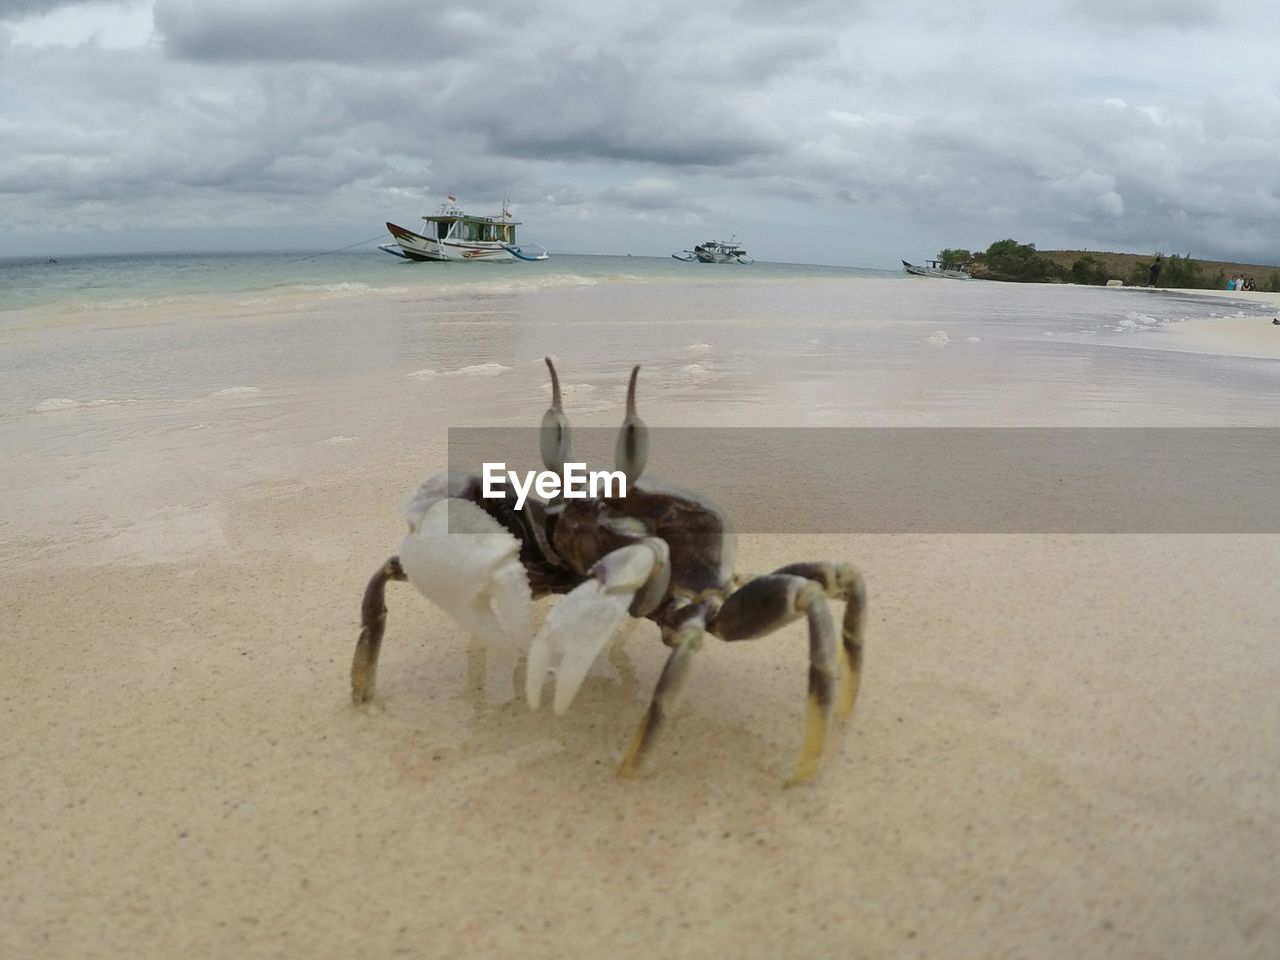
column 936, row 268
column 454, row 236
column 715, row 251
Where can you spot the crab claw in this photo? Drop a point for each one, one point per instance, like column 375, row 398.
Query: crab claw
column 468, row 564
column 583, row 623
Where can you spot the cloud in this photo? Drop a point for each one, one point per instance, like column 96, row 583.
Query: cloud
column 12, row 10
column 649, row 193
column 333, row 31
column 962, row 127
column 1152, row 13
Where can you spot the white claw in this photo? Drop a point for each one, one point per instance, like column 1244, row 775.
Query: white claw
column 581, row 624
column 575, row 631
column 512, row 601
column 468, row 564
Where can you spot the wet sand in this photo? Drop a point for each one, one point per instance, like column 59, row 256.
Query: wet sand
column 1064, row 746
column 1242, row 336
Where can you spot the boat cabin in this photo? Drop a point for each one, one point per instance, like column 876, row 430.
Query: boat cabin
column 459, row 226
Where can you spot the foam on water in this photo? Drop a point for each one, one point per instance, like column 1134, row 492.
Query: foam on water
column 490, row 369
column 54, row 404
column 129, row 303
column 697, row 371
column 480, row 370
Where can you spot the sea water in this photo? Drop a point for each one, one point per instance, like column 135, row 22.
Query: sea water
column 131, row 382
column 100, row 330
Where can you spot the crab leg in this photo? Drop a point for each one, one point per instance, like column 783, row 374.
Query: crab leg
column 373, row 621
column 763, row 605
column 666, row 695
column 842, row 581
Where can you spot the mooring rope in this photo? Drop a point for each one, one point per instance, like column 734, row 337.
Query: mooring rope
column 325, row 253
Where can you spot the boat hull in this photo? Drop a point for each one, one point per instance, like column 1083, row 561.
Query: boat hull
column 714, row 251
column 915, row 271
column 415, row 246
column 705, row 257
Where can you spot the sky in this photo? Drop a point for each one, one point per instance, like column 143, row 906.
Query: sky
column 847, row 132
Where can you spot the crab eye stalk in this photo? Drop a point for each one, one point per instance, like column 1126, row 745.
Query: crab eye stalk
column 554, row 437
column 632, row 450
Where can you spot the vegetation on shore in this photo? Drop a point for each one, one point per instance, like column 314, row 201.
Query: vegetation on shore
column 1023, row 263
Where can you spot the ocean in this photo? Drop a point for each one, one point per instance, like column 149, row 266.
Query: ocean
column 92, row 331
column 131, row 381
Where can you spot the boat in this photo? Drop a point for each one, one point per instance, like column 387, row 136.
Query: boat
column 454, row 236
column 715, row 251
column 937, row 268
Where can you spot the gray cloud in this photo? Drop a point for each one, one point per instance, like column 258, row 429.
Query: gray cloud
column 956, row 128
column 334, row 32
column 649, row 194
column 1156, row 13
column 829, row 12
column 11, row 10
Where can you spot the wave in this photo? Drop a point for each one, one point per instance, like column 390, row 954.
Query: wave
column 475, row 370
column 54, row 404
column 696, row 371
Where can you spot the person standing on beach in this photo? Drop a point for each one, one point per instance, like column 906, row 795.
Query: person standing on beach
column 1154, row 274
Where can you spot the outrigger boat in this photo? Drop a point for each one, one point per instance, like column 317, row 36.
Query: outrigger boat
column 452, row 235
column 936, row 268
column 715, row 251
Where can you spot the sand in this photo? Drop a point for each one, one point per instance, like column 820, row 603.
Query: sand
column 1065, row 746
column 1242, row 336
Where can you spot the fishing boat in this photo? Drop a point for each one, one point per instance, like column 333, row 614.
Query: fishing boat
column 937, row 268
column 715, row 251
column 454, row 236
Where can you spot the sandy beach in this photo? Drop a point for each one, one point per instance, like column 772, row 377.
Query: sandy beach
column 1243, row 336
column 1065, row 744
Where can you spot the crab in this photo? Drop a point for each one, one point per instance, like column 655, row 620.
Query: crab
column 654, row 553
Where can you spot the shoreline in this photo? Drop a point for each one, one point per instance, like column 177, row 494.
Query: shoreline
column 1248, row 337
column 1252, row 337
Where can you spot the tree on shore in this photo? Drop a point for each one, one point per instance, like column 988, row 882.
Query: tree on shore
column 1089, row 269
column 1019, row 262
column 958, row 257
column 1178, row 272
column 1010, row 260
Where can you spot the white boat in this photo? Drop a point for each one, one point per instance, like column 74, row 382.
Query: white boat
column 715, row 251
column 936, row 268
column 452, row 235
